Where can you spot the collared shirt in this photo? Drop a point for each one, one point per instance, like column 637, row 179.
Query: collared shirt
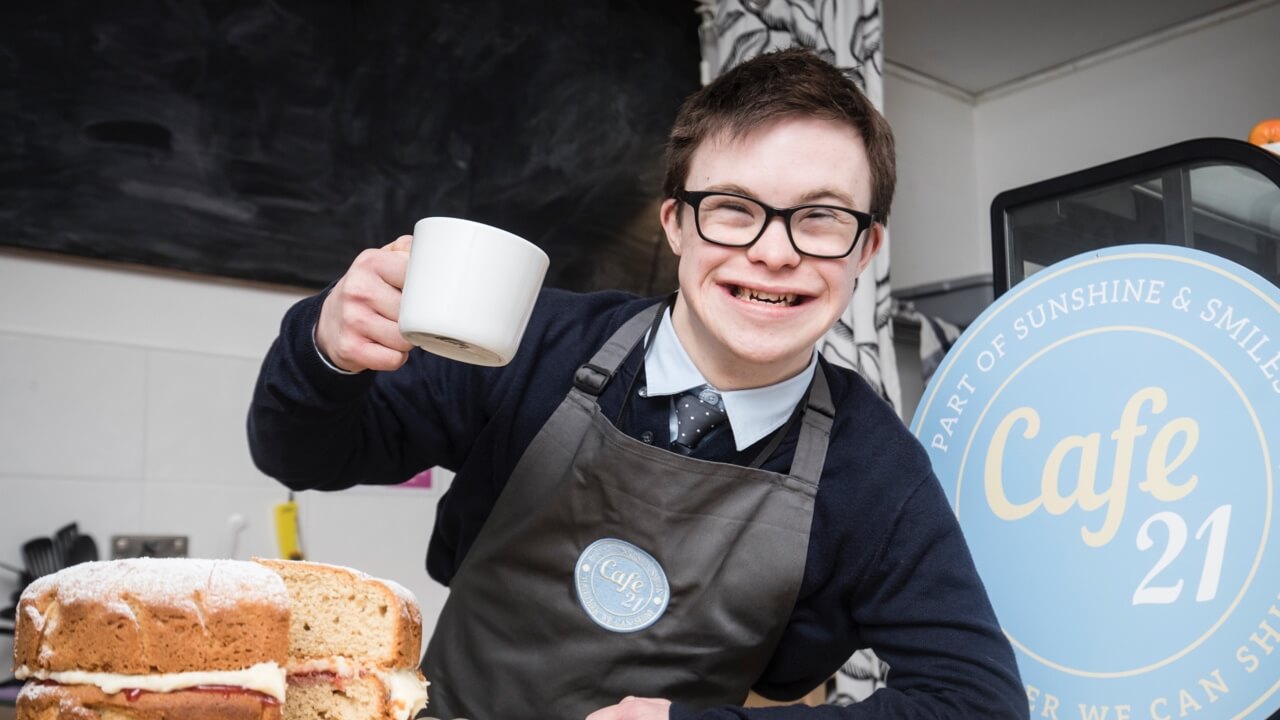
column 753, row 413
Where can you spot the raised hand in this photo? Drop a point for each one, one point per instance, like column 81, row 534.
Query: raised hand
column 358, row 327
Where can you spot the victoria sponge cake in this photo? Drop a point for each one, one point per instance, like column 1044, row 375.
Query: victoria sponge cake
column 164, row 639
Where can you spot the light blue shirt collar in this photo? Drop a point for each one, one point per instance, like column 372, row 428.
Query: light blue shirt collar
column 753, row 414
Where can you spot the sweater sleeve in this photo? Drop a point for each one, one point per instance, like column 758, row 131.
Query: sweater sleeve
column 313, row 428
column 922, row 607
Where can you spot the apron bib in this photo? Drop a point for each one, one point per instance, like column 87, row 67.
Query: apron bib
column 609, row 567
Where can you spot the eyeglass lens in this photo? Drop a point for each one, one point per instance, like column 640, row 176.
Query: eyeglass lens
column 733, row 220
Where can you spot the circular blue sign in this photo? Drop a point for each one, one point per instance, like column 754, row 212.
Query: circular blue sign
column 621, row 587
column 1107, row 435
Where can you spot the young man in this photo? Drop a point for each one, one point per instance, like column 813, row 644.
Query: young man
column 609, row 556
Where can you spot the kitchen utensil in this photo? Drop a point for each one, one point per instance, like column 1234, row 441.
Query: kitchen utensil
column 41, row 556
column 16, row 570
column 83, row 549
column 62, row 540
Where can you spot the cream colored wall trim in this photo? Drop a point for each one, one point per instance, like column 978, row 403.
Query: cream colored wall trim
column 902, row 72
column 1157, row 38
column 1171, row 33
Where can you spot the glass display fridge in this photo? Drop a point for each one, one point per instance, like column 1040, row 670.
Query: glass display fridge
column 1214, row 194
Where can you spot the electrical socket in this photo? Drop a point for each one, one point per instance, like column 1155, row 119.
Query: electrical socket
column 155, row 546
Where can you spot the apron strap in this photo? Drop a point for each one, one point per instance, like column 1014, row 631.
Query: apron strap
column 596, row 373
column 815, row 431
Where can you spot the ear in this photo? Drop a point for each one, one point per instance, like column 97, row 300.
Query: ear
column 869, row 247
column 669, row 216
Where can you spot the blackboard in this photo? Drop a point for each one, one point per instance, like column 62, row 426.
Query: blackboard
column 272, row 140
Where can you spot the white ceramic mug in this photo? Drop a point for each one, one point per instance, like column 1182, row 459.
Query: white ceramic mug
column 469, row 290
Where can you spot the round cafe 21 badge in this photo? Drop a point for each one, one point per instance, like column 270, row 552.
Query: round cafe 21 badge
column 621, row 587
column 1107, row 433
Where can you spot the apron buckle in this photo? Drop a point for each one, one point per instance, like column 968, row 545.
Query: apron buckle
column 591, row 378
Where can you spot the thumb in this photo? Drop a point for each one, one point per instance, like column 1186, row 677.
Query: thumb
column 401, row 244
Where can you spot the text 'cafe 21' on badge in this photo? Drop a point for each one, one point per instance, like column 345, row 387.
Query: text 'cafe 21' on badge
column 1107, row 434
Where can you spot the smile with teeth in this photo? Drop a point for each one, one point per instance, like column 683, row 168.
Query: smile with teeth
column 789, row 299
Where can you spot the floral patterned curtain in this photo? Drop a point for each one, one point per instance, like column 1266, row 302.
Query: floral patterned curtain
column 846, row 33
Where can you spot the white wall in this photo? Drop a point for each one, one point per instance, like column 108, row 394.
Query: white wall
column 123, row 396
column 936, row 209
column 1217, row 80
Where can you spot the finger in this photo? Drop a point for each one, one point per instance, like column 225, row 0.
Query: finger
column 383, row 299
column 379, row 357
column 391, row 266
column 364, row 317
column 357, row 354
column 375, row 267
column 384, row 332
column 613, row 712
column 400, row 244
column 352, row 335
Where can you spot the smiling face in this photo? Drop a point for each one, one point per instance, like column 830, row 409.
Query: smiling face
column 750, row 317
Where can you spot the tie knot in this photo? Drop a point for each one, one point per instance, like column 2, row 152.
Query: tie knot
column 697, row 414
column 708, row 395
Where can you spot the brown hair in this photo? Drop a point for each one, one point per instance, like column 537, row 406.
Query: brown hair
column 794, row 81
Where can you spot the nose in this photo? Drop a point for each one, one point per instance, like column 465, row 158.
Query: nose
column 774, row 248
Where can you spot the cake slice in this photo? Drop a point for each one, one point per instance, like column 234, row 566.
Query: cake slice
column 153, row 639
column 354, row 645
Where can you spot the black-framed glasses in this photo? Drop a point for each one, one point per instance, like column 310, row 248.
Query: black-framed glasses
column 820, row 231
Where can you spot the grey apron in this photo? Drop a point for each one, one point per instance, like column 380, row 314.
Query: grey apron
column 609, row 567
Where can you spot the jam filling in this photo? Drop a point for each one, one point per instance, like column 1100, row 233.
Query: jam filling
column 132, row 694
column 317, row 677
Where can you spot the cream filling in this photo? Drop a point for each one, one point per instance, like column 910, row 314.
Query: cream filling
column 408, row 691
column 266, row 678
column 338, row 665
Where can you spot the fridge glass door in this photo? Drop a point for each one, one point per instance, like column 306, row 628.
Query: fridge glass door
column 1229, row 210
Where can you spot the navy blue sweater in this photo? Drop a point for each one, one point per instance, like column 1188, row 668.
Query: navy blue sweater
column 887, row 566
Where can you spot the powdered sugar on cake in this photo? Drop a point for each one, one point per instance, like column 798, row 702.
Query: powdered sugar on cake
column 37, row 620
column 165, row 582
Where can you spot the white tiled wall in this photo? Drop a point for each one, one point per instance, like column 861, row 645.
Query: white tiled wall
column 123, row 395
column 208, row 447
column 71, row 409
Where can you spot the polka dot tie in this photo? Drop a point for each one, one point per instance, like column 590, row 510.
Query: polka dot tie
column 697, row 414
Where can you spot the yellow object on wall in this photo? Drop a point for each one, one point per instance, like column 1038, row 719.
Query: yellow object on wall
column 288, row 536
